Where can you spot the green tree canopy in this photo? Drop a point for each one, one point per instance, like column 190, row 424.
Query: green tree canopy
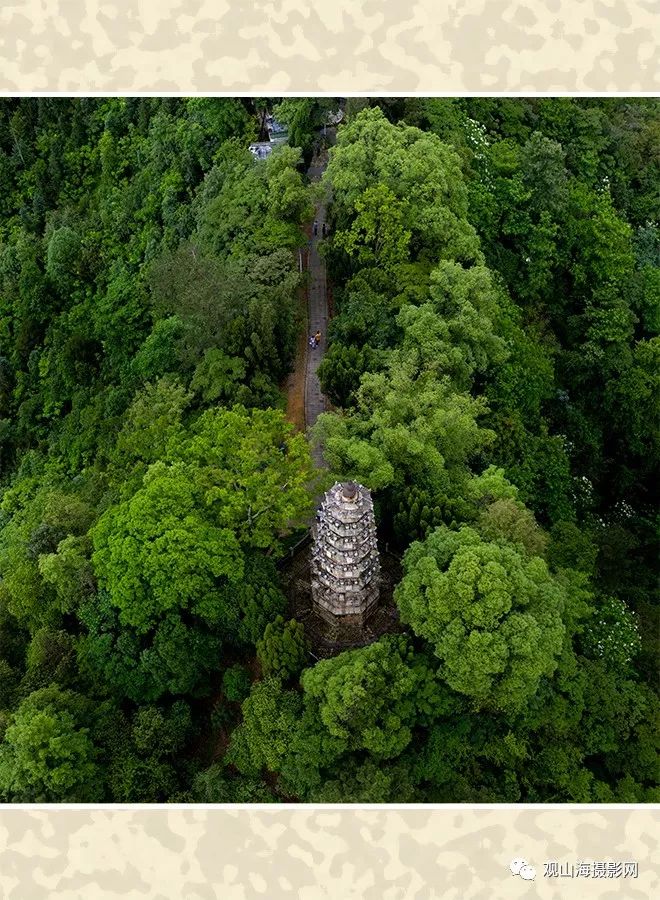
column 283, row 649
column 371, row 698
column 493, row 616
column 375, row 164
column 158, row 551
column 47, row 755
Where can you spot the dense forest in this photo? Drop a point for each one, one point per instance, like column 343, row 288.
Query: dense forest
column 494, row 373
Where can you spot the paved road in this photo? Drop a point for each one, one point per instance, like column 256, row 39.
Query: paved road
column 315, row 401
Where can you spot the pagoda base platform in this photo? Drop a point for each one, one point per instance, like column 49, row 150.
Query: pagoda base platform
column 328, row 634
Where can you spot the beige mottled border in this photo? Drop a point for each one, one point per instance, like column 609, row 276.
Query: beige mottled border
column 339, row 853
column 271, row 46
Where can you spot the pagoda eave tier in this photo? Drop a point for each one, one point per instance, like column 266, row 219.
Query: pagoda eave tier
column 339, row 570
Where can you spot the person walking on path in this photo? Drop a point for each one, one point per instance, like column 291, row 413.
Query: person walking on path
column 324, row 229
column 317, row 338
column 316, row 227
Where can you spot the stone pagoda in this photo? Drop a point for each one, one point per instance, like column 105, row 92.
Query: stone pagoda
column 345, row 563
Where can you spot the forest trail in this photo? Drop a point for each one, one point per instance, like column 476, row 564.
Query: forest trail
column 315, row 401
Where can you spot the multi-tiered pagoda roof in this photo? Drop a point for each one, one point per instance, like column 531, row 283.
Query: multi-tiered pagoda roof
column 345, row 562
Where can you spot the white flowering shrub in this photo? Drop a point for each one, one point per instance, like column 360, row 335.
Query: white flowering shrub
column 613, row 633
column 476, row 137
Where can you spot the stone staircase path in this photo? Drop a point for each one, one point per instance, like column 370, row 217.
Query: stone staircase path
column 315, row 400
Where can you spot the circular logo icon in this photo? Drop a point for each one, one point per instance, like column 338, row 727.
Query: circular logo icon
column 520, row 866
